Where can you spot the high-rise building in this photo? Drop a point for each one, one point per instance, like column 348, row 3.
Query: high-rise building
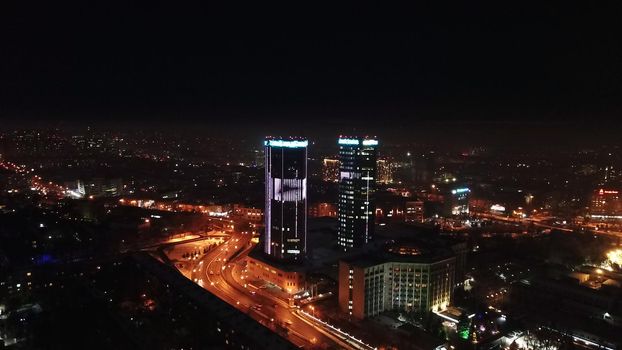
column 286, row 198
column 404, row 279
column 330, row 170
column 357, row 183
column 456, row 200
column 606, row 205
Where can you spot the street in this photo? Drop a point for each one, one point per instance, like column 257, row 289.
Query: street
column 220, row 272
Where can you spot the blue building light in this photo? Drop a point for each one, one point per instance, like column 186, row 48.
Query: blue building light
column 370, row 142
column 348, row 142
column 286, row 143
column 460, row 190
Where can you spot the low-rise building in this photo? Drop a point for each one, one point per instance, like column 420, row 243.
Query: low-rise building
column 291, row 278
column 322, row 210
column 414, row 211
column 248, row 213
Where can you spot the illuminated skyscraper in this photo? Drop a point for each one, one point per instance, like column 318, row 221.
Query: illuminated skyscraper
column 357, row 183
column 286, row 198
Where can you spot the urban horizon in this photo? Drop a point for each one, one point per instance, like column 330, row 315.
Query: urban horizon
column 434, row 177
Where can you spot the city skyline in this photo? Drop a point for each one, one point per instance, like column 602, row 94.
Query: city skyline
column 452, row 244
column 258, row 176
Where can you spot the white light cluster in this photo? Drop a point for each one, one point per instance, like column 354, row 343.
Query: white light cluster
column 287, row 143
column 353, row 142
column 348, row 141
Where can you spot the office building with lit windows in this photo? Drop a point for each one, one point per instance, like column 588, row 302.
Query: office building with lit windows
column 286, row 198
column 456, row 200
column 605, row 205
column 413, row 211
column 357, row 183
column 402, row 279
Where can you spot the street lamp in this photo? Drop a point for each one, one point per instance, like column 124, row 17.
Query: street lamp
column 312, row 310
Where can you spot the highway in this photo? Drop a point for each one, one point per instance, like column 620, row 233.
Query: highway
column 220, row 272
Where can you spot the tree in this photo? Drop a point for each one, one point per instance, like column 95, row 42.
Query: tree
column 464, row 327
column 542, row 339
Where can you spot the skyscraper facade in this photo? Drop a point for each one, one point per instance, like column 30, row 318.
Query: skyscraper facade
column 357, row 183
column 286, row 198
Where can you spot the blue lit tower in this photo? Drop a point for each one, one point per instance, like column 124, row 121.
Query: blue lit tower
column 357, row 184
column 286, row 198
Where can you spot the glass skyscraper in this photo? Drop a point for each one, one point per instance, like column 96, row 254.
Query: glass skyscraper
column 286, row 198
column 357, row 184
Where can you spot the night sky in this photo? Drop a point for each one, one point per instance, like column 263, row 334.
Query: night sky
column 523, row 62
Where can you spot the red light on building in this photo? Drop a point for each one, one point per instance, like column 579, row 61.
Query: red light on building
column 605, row 205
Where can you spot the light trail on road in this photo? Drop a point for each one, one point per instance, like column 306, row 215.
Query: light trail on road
column 217, row 269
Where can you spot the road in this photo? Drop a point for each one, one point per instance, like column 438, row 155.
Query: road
column 219, row 271
column 536, row 222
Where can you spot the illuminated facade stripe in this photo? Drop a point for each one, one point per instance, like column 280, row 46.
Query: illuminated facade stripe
column 285, row 199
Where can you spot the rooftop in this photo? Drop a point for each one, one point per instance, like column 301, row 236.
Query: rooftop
column 287, row 142
column 258, row 254
column 404, row 253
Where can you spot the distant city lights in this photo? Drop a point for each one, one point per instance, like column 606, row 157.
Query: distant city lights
column 497, row 207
